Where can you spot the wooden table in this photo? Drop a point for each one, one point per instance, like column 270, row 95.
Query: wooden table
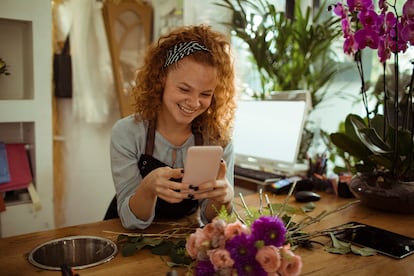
column 14, row 250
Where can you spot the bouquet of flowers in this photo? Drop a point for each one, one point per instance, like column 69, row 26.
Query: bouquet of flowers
column 261, row 242
column 223, row 248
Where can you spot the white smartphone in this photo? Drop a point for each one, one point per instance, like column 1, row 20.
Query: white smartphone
column 202, row 164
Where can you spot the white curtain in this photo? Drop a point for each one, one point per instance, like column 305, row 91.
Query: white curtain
column 94, row 95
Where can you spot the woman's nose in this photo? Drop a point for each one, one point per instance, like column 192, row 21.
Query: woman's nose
column 193, row 101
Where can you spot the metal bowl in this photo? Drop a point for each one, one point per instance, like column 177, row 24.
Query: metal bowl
column 78, row 252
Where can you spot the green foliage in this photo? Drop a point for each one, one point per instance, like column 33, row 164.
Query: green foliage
column 374, row 147
column 225, row 216
column 4, row 68
column 289, row 53
column 341, row 247
column 174, row 249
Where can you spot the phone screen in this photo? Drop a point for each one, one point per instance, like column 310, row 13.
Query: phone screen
column 202, row 164
column 280, row 186
column 384, row 241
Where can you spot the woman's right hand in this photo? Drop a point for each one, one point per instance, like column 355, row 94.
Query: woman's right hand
column 158, row 182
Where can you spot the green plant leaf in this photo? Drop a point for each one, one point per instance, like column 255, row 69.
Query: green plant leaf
column 369, row 137
column 338, row 243
column 163, row 248
column 289, row 54
column 341, row 250
column 347, row 144
column 308, row 207
column 363, row 251
column 179, row 256
column 128, row 249
column 341, row 247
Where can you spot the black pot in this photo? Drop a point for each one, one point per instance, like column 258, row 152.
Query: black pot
column 386, row 194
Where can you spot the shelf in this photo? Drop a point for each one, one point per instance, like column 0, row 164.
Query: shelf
column 23, row 133
column 26, row 109
column 16, row 50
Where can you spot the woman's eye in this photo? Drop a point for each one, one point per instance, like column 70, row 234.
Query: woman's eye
column 184, row 89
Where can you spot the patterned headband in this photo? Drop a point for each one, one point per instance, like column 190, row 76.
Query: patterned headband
column 181, row 50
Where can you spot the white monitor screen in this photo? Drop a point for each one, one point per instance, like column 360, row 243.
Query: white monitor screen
column 267, row 134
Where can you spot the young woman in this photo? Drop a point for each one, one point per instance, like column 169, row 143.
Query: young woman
column 184, row 96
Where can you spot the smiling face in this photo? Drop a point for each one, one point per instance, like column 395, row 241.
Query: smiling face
column 188, row 92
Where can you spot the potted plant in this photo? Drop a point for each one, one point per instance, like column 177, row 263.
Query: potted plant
column 380, row 145
column 4, row 68
column 289, row 53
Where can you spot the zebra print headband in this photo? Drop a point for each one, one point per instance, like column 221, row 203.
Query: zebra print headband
column 182, row 50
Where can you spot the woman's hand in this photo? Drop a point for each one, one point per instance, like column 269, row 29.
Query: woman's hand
column 220, row 190
column 158, row 182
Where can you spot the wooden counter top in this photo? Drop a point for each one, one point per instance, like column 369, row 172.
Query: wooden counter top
column 13, row 260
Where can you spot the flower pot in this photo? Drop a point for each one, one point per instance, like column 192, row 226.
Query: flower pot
column 384, row 193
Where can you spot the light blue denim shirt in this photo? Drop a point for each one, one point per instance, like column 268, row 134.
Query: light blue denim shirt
column 128, row 141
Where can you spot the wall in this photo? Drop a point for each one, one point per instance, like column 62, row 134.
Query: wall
column 88, row 187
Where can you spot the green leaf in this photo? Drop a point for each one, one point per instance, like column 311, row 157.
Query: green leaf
column 308, row 207
column 341, row 247
column 370, row 138
column 128, row 249
column 122, row 238
column 163, row 248
column 287, row 208
column 341, row 250
column 179, row 257
column 363, row 251
column 151, row 242
column 338, row 243
column 347, row 144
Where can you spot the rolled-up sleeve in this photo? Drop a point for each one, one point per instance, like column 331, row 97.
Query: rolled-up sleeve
column 127, row 144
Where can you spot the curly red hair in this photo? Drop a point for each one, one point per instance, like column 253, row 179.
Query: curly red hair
column 216, row 122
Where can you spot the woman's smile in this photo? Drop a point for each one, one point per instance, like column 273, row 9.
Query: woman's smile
column 186, row 110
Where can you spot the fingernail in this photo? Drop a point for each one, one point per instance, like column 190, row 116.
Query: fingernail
column 195, row 188
column 190, row 196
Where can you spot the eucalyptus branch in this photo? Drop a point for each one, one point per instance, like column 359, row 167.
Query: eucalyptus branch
column 239, row 217
column 319, row 233
column 321, row 216
column 269, row 205
column 285, row 202
column 245, row 205
column 260, row 201
column 152, row 235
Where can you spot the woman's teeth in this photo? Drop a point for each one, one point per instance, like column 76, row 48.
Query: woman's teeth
column 187, row 110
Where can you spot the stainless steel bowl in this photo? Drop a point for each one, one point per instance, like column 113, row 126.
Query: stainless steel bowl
column 78, row 252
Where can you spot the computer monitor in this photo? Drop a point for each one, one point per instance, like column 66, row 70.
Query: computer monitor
column 267, row 133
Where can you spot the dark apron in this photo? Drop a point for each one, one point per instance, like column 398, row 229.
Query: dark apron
column 146, row 164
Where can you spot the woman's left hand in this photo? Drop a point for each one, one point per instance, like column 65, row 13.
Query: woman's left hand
column 219, row 190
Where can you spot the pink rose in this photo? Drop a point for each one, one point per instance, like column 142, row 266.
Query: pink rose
column 291, row 264
column 190, row 246
column 212, row 229
column 269, row 258
column 220, row 258
column 197, row 241
column 235, row 229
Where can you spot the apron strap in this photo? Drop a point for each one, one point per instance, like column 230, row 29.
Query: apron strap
column 198, row 137
column 149, row 145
